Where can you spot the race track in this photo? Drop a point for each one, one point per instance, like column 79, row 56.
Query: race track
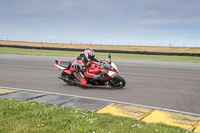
column 172, row 85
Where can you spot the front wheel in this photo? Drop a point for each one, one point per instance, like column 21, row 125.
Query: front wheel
column 117, row 82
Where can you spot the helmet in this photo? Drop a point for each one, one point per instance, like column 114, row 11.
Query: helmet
column 89, row 54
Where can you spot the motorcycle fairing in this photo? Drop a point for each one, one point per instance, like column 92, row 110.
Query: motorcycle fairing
column 93, row 67
column 89, row 75
column 64, row 65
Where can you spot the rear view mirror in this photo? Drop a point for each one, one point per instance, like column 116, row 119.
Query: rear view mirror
column 109, row 56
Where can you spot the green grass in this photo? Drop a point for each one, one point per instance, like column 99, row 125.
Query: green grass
column 32, row 117
column 5, row 50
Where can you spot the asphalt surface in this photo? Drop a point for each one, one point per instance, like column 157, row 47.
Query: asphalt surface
column 172, row 85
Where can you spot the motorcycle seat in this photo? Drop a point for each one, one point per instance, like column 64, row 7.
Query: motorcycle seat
column 65, row 64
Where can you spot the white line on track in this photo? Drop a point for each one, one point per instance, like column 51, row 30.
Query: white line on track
column 146, row 106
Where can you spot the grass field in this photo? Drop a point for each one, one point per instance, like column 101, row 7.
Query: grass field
column 31, row 117
column 108, row 47
column 5, row 50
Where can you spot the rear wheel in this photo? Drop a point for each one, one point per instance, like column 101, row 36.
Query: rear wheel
column 67, row 78
column 117, row 82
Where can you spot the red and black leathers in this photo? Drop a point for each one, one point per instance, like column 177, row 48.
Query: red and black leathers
column 79, row 69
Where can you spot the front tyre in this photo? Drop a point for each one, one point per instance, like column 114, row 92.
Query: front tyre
column 117, row 82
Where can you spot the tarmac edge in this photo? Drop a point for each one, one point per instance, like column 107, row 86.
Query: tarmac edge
column 188, row 121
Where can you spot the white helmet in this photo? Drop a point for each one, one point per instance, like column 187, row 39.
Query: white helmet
column 89, row 54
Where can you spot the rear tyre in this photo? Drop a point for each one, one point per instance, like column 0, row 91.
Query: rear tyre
column 67, row 78
column 117, row 82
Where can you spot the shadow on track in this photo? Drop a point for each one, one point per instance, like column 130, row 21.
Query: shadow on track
column 92, row 87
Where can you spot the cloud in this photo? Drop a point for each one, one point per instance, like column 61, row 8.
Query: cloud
column 100, row 19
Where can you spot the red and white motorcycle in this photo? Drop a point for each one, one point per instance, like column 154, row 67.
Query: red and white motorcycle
column 108, row 73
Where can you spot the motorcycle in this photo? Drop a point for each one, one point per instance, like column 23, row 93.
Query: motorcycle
column 109, row 73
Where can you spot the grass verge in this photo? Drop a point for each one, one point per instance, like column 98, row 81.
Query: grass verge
column 18, row 116
column 107, row 47
column 5, row 50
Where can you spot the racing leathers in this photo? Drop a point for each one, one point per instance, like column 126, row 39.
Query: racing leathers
column 79, row 69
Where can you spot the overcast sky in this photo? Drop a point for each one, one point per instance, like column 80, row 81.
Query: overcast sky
column 146, row 22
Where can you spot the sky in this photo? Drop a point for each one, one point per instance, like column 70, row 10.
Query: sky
column 114, row 22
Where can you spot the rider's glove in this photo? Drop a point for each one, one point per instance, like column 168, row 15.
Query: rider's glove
column 84, row 68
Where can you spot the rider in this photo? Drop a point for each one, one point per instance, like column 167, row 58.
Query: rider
column 79, row 66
